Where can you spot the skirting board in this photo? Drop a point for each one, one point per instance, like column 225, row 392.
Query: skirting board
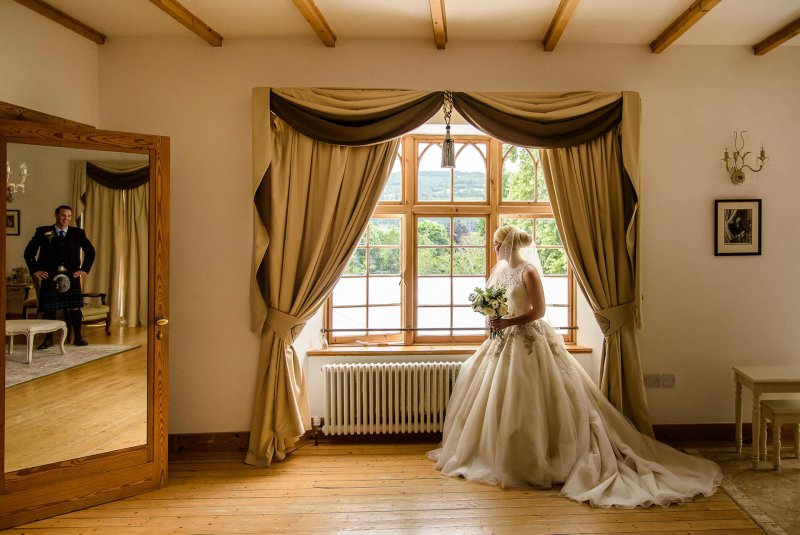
column 677, row 435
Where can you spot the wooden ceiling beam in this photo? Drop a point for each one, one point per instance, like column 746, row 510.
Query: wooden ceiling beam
column 175, row 10
column 559, row 23
column 46, row 10
column 688, row 18
column 778, row 38
column 439, row 20
column 314, row 17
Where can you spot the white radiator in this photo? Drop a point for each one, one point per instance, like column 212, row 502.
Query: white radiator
column 391, row 397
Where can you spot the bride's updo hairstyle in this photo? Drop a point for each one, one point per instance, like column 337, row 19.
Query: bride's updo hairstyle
column 512, row 237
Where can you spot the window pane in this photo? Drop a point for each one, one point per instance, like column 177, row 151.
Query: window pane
column 433, row 231
column 469, row 261
column 384, row 261
column 466, row 317
column 433, row 182
column 469, row 179
column 433, row 291
column 384, row 231
column 469, row 231
column 463, row 286
column 555, row 290
column 546, row 232
column 384, row 318
column 358, row 263
column 554, row 261
column 392, row 191
column 349, row 318
column 556, row 316
column 350, row 291
column 433, row 317
column 541, row 188
column 433, row 261
column 384, row 290
column 518, row 174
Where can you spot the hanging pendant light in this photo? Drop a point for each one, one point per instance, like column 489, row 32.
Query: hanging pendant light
column 448, row 148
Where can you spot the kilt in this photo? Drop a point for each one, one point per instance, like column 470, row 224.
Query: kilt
column 51, row 300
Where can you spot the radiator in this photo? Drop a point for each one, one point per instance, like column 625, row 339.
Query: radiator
column 392, row 397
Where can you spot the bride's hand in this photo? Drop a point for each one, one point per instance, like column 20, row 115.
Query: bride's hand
column 498, row 324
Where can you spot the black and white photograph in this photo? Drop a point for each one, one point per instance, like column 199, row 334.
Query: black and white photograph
column 737, row 229
column 12, row 222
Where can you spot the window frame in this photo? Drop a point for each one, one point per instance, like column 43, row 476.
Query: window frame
column 409, row 209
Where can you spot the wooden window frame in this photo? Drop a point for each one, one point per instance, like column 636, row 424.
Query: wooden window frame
column 409, row 209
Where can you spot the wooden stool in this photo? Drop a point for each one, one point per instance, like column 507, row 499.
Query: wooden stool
column 779, row 412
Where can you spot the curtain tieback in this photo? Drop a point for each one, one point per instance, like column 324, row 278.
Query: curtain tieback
column 286, row 326
column 612, row 319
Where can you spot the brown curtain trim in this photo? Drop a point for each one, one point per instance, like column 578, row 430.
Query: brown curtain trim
column 355, row 131
column 124, row 180
column 519, row 131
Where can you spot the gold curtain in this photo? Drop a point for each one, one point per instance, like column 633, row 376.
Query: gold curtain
column 315, row 200
column 595, row 206
column 117, row 223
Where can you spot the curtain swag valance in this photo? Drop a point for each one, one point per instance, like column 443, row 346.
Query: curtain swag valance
column 118, row 179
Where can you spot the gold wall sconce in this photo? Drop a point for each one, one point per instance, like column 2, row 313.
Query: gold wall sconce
column 735, row 163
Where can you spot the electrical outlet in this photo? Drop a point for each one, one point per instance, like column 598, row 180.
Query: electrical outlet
column 316, row 421
column 668, row 380
column 652, row 380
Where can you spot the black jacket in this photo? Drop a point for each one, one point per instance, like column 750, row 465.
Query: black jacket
column 47, row 251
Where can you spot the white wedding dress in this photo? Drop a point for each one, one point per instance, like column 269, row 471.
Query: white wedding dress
column 523, row 413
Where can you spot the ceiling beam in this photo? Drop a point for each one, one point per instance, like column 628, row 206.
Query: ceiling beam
column 778, row 38
column 190, row 20
column 439, row 20
column 688, row 18
column 46, row 10
column 314, row 17
column 559, row 23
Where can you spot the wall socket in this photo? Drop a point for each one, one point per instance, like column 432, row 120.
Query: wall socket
column 658, row 380
column 652, row 380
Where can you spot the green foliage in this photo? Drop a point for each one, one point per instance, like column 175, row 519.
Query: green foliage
column 358, row 263
column 384, row 231
column 433, row 231
column 469, row 231
column 554, row 261
column 392, row 191
column 547, row 232
column 433, row 261
column 469, row 261
column 384, row 261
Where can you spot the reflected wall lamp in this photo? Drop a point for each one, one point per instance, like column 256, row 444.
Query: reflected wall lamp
column 735, row 163
column 448, row 149
column 14, row 187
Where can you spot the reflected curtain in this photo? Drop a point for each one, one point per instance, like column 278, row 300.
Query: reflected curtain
column 362, row 117
column 116, row 219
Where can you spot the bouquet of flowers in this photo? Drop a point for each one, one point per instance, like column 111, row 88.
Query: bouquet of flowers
column 491, row 302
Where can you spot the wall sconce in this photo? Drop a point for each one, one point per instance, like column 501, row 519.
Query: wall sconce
column 448, row 148
column 735, row 163
column 14, row 187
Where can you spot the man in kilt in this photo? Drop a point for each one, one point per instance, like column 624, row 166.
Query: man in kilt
column 54, row 257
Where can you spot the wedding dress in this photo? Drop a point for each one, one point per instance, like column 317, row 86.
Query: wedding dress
column 524, row 413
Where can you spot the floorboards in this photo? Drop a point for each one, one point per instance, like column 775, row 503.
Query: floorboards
column 370, row 488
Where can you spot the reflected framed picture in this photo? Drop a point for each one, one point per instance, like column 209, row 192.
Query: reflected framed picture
column 737, row 227
column 12, row 222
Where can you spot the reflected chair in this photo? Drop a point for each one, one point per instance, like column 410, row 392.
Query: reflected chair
column 96, row 310
column 31, row 301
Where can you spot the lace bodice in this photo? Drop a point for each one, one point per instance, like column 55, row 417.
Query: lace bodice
column 511, row 279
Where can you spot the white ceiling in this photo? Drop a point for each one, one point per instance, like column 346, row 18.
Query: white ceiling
column 731, row 23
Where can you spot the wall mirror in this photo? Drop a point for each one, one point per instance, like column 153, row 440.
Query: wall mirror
column 88, row 425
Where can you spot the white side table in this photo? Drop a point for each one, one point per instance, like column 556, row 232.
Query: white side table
column 30, row 328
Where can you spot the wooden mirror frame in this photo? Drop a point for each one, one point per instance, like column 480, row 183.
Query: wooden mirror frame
column 57, row 488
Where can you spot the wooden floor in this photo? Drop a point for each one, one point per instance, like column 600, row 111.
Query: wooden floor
column 93, row 408
column 383, row 488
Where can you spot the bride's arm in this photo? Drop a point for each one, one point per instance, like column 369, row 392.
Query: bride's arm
column 533, row 284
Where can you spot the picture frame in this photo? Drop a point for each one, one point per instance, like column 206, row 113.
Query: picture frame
column 12, row 222
column 737, row 227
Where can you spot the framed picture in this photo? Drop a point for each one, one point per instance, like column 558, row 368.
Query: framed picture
column 737, row 227
column 12, row 222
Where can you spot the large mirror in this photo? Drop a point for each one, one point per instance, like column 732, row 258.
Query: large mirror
column 86, row 424
column 91, row 399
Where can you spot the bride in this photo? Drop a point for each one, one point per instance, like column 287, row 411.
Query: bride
column 524, row 413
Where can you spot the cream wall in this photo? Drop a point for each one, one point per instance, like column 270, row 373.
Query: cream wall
column 46, row 67
column 703, row 314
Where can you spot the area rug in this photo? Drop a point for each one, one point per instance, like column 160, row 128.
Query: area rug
column 770, row 497
column 50, row 360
